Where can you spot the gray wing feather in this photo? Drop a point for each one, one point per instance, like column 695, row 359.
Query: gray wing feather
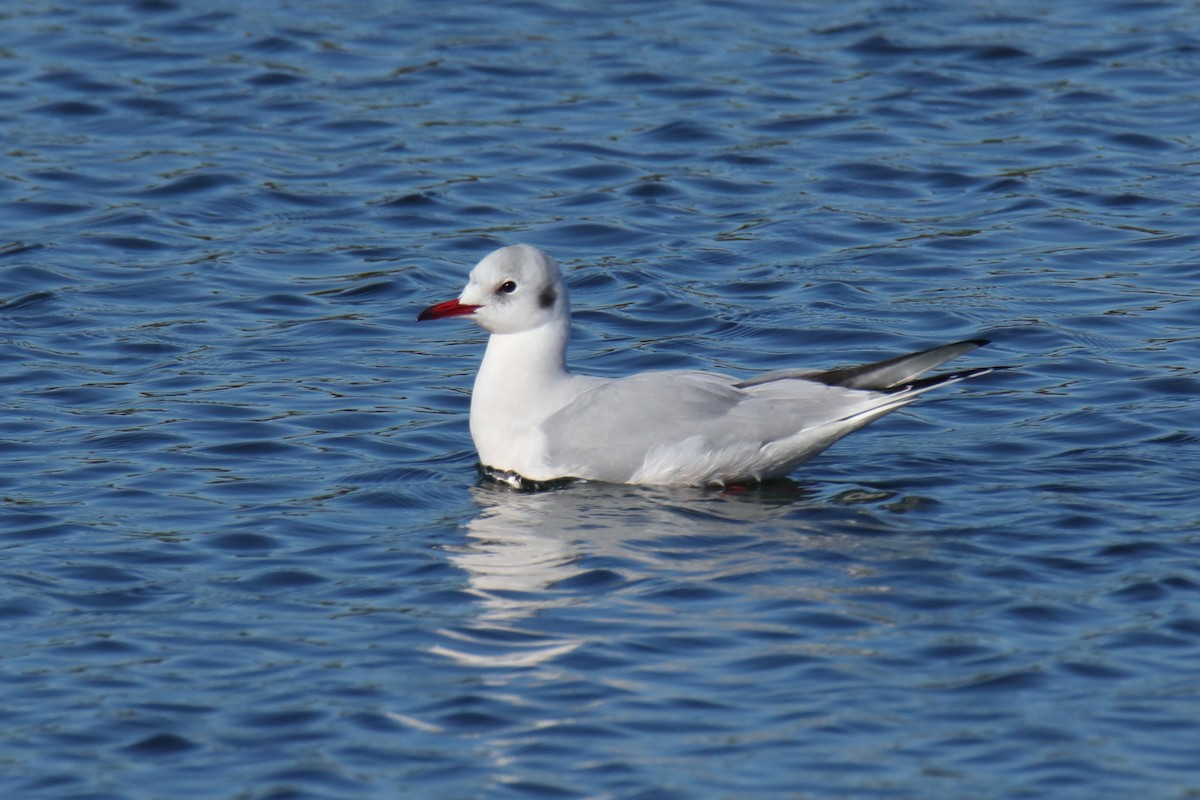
column 878, row 376
column 612, row 427
column 607, row 432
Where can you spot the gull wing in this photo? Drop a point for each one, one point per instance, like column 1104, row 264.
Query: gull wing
column 612, row 430
column 878, row 376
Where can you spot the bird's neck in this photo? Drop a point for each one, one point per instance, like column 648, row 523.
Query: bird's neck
column 522, row 381
column 528, row 361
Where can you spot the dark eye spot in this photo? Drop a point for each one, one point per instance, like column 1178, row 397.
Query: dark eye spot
column 547, row 297
column 508, row 287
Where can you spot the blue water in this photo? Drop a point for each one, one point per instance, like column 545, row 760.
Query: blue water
column 245, row 552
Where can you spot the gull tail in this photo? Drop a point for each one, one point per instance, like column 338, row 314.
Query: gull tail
column 900, row 373
column 914, row 388
column 896, row 397
column 882, row 376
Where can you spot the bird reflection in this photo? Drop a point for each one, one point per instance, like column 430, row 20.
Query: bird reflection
column 524, row 553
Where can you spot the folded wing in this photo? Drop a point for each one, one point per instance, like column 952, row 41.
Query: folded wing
column 698, row 427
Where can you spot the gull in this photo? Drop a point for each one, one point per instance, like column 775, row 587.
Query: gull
column 536, row 422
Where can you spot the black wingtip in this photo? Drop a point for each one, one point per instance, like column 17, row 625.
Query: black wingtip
column 945, row 377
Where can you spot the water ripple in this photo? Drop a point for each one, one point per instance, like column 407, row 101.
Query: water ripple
column 238, row 468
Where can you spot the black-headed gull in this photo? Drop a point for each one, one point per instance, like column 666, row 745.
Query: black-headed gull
column 534, row 421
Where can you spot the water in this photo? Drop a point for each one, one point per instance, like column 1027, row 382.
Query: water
column 245, row 552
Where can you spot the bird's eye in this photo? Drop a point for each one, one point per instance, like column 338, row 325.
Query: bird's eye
column 508, row 287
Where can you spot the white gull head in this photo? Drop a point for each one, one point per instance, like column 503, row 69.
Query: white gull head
column 512, row 290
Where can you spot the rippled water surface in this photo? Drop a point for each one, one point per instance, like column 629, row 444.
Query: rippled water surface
column 245, row 551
